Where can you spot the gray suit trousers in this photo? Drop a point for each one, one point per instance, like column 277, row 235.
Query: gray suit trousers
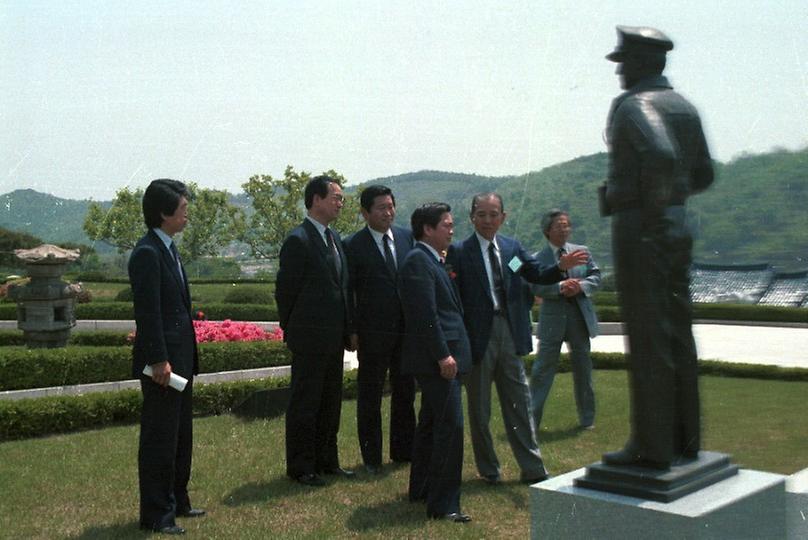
column 546, row 364
column 502, row 366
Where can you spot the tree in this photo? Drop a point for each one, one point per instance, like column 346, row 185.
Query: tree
column 120, row 226
column 212, row 222
column 278, row 205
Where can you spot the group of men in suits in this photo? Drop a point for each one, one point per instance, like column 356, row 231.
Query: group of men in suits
column 416, row 308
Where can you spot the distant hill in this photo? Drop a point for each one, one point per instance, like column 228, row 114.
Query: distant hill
column 755, row 211
column 51, row 218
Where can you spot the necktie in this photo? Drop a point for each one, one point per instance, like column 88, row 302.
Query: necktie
column 388, row 255
column 332, row 247
column 561, row 253
column 496, row 270
column 176, row 254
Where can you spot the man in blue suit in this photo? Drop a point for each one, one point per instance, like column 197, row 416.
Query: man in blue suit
column 496, row 313
column 311, row 291
column 374, row 255
column 166, row 342
column 436, row 350
column 567, row 314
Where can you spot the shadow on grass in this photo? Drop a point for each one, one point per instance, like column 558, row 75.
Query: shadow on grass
column 396, row 512
column 119, row 530
column 513, row 490
column 558, row 434
column 257, row 492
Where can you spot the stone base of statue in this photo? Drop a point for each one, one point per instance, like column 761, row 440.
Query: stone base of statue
column 657, row 485
column 797, row 505
column 748, row 504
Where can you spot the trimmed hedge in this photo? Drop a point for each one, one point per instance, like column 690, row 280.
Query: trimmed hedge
column 94, row 338
column 26, row 418
column 22, row 368
column 124, row 311
column 249, row 294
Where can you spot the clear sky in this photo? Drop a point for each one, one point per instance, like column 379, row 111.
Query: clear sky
column 97, row 95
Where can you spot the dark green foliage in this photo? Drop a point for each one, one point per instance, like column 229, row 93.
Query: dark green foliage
column 11, row 240
column 95, row 338
column 109, row 311
column 124, row 295
column 238, row 312
column 746, row 312
column 34, row 368
column 249, row 294
column 123, row 311
column 26, row 418
column 22, row 368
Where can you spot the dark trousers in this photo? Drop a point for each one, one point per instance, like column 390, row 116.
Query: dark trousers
column 653, row 284
column 164, row 453
column 373, row 368
column 437, row 453
column 312, row 417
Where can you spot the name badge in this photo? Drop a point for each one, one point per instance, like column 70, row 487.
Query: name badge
column 515, row 264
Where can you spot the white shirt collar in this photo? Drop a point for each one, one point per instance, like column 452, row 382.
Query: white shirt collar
column 432, row 250
column 484, row 242
column 379, row 237
column 161, row 234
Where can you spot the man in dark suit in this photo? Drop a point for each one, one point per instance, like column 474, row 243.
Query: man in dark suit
column 658, row 158
column 311, row 291
column 166, row 342
column 436, row 350
column 496, row 312
column 374, row 255
column 567, row 314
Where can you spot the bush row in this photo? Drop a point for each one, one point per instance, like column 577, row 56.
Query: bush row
column 101, row 277
column 95, row 338
column 37, row 417
column 118, row 311
column 63, row 414
column 22, row 368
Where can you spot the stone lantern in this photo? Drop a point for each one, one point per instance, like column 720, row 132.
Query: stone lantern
column 46, row 306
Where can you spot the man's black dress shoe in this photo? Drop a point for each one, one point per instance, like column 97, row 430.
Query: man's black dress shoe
column 339, row 471
column 169, row 529
column 455, row 517
column 310, row 480
column 373, row 469
column 191, row 513
column 626, row 457
column 535, row 479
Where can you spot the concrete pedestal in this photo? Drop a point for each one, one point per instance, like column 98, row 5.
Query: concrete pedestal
column 797, row 505
column 750, row 504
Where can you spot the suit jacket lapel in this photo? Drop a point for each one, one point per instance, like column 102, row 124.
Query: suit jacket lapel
column 316, row 240
column 475, row 254
column 444, row 276
column 168, row 258
column 505, row 256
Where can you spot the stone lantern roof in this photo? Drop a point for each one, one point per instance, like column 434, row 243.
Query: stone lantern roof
column 47, row 254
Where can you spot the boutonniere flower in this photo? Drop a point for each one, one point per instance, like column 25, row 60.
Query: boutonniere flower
column 452, row 274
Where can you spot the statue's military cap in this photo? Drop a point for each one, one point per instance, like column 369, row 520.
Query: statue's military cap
column 639, row 40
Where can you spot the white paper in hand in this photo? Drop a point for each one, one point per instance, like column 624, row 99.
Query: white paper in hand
column 177, row 382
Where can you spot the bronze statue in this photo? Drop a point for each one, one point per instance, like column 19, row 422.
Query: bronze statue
column 658, row 157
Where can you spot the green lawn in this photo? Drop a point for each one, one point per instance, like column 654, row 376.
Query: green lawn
column 84, row 485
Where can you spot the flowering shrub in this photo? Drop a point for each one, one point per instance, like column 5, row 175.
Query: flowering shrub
column 227, row 330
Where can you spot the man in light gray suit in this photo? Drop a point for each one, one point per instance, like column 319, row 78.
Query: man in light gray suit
column 567, row 314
